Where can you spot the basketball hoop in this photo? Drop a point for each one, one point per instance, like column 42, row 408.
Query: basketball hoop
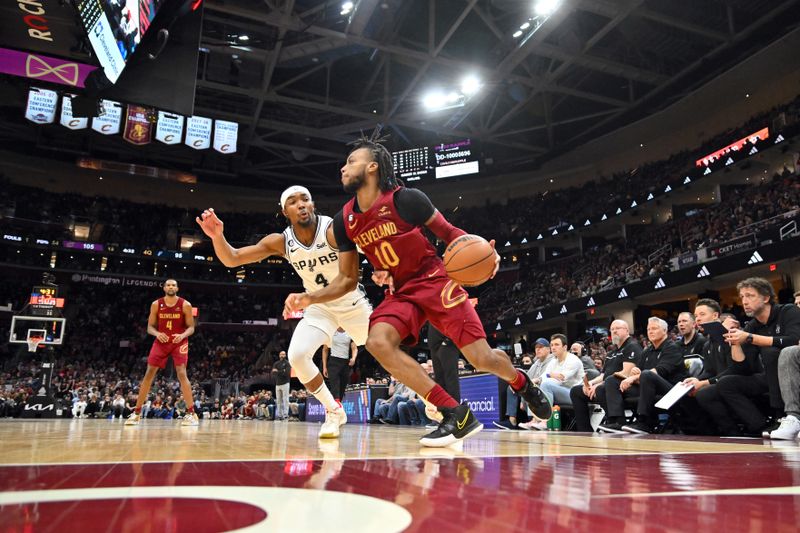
column 34, row 339
column 33, row 343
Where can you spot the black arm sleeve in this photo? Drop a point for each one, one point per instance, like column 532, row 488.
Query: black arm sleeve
column 790, row 328
column 342, row 240
column 413, row 206
column 709, row 362
column 670, row 363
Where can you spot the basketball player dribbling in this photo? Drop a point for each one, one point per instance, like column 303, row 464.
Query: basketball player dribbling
column 309, row 246
column 171, row 323
column 385, row 220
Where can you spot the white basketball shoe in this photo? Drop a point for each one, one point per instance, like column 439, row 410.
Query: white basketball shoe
column 333, row 420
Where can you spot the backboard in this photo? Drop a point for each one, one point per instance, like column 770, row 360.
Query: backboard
column 23, row 326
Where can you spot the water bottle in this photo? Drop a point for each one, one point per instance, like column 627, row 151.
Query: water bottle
column 556, row 418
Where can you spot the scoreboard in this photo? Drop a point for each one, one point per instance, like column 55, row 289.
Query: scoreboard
column 446, row 160
column 456, row 159
column 412, row 164
column 44, row 301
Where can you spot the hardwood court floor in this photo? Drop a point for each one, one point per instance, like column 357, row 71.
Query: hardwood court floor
column 98, row 475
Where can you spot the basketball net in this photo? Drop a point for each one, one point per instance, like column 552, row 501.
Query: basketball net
column 33, row 343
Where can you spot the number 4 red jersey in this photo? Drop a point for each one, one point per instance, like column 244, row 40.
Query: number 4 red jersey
column 171, row 319
column 390, row 242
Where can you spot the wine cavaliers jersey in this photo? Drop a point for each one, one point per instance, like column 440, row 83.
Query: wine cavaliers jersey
column 390, row 242
column 171, row 319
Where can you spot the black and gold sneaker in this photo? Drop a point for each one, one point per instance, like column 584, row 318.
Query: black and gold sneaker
column 536, row 400
column 458, row 424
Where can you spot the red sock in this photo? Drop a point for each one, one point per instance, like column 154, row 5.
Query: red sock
column 518, row 381
column 138, row 410
column 439, row 397
column 190, row 409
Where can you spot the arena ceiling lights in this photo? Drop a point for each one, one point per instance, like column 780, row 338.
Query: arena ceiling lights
column 542, row 10
column 438, row 99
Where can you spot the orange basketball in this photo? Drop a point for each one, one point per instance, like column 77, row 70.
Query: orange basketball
column 469, row 260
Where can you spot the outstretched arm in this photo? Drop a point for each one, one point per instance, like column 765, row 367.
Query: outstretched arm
column 229, row 256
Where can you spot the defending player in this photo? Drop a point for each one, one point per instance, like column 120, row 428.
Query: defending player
column 309, row 246
column 385, row 220
column 171, row 323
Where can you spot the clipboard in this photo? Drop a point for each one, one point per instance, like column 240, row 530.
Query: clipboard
column 715, row 330
column 677, row 392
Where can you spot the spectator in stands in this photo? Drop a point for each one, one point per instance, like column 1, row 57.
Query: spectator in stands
column 665, row 368
column 269, row 403
column 622, row 360
column 157, row 407
column 169, row 408
column 714, row 415
column 691, row 341
column 79, row 407
column 536, row 371
column 544, row 358
column 797, row 298
column 412, row 411
column 214, row 410
column 130, row 405
column 773, row 327
column 180, row 407
column 386, row 410
column 584, row 354
column 789, row 377
column 297, row 405
column 104, row 407
column 565, row 371
column 118, row 405
column 226, row 411
column 92, row 406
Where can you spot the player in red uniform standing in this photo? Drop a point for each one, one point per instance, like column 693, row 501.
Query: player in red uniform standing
column 171, row 323
column 385, row 220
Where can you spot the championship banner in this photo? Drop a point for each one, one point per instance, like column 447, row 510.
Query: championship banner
column 169, row 128
column 67, row 120
column 137, row 128
column 198, row 132
column 109, row 123
column 41, row 107
column 225, row 136
column 43, row 68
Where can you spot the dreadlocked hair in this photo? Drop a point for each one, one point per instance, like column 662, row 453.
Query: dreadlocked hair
column 374, row 143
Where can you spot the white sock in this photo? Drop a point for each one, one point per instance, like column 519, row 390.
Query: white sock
column 323, row 394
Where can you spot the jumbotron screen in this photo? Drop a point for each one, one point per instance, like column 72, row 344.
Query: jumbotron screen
column 458, row 158
column 115, row 28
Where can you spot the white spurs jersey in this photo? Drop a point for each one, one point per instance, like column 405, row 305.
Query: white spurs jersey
column 318, row 264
